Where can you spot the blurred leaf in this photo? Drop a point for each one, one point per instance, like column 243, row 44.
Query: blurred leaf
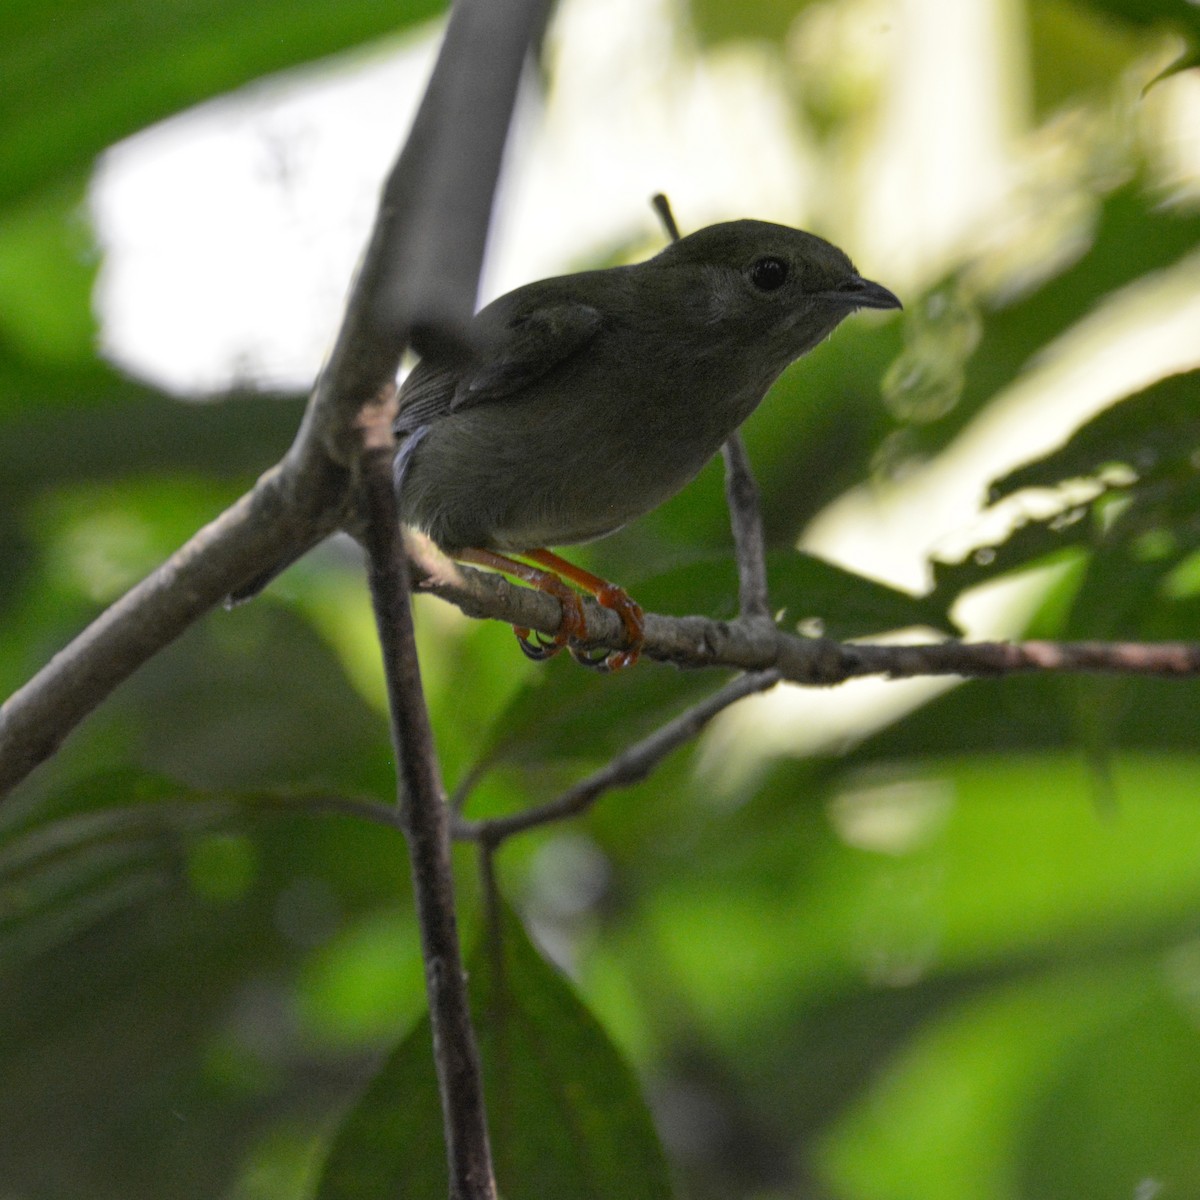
column 1155, row 433
column 1134, row 236
column 149, row 938
column 1078, row 51
column 1119, row 1116
column 913, row 870
column 718, row 21
column 252, row 699
column 804, row 586
column 131, row 64
column 48, row 263
column 1179, row 14
column 61, row 425
column 566, row 1116
column 246, row 699
column 1187, row 61
column 566, row 713
column 949, row 1118
column 1148, row 448
column 365, row 986
column 1048, row 541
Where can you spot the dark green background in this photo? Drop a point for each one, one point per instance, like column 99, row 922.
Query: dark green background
column 958, row 961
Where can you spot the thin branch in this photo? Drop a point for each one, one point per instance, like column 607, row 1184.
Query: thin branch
column 426, row 822
column 631, row 766
column 754, row 645
column 36, row 719
column 745, row 517
column 662, row 206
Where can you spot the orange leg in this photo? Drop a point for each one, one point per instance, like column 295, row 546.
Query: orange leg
column 610, row 596
column 573, row 624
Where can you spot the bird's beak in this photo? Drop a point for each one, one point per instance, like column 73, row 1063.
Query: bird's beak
column 865, row 293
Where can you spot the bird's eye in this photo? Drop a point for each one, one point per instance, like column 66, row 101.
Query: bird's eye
column 769, row 274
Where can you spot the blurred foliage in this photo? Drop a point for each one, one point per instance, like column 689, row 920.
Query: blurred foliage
column 567, row 1118
column 959, row 959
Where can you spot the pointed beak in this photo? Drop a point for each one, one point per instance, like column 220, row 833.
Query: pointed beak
column 865, row 293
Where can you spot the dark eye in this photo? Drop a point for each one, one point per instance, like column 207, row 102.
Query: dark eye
column 768, row 274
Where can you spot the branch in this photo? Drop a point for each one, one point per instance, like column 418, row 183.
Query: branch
column 35, row 720
column 631, row 766
column 741, row 494
column 426, row 821
column 420, row 273
column 754, row 645
column 421, row 269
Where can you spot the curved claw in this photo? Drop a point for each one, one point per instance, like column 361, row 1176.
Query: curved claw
column 572, row 628
column 620, row 659
column 593, row 662
column 540, row 650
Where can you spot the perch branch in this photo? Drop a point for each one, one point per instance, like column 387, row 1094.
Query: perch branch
column 755, row 645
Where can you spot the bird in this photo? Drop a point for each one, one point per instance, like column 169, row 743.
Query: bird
column 594, row 397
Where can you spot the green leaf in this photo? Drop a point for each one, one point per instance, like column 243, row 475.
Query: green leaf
column 950, row 1116
column 1078, row 52
column 1187, row 61
column 149, row 940
column 718, row 21
column 1050, row 541
column 1178, row 14
column 1134, row 236
column 566, row 1116
column 66, row 425
column 1120, row 1114
column 48, row 265
column 921, row 870
column 1154, row 433
column 1147, row 447
column 130, row 64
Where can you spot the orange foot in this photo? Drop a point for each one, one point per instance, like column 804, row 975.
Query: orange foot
column 573, row 625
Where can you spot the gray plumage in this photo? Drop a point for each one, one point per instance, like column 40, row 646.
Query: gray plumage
column 597, row 396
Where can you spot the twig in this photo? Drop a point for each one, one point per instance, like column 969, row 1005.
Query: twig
column 631, row 766
column 741, row 494
column 662, row 206
column 426, row 822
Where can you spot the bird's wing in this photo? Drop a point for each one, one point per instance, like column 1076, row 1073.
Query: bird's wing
column 425, row 396
column 526, row 344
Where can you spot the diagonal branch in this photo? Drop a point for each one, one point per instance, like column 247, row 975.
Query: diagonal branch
column 35, row 720
column 420, row 269
column 631, row 766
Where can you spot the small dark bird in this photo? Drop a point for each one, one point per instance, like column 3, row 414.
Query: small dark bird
column 595, row 397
